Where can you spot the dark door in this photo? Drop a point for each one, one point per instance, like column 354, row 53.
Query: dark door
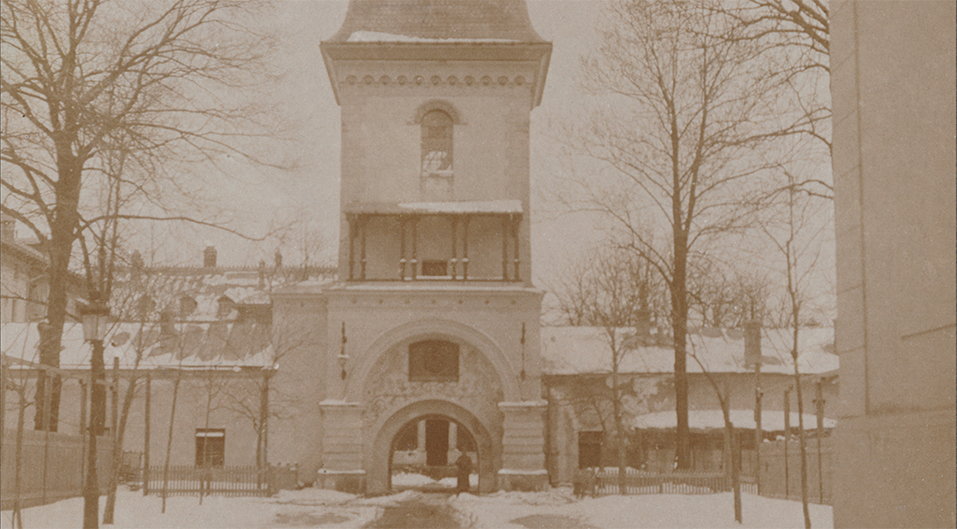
column 436, row 442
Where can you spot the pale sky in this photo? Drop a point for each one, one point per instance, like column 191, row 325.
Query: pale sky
column 262, row 197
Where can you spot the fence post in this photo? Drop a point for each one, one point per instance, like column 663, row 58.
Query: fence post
column 146, row 436
column 819, row 402
column 787, row 439
column 46, row 434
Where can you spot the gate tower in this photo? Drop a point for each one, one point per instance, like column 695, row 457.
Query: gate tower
column 434, row 314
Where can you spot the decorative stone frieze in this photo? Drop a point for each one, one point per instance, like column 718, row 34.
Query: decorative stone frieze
column 353, row 81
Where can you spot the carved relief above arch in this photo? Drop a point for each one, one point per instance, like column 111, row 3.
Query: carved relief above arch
column 486, row 351
column 437, row 104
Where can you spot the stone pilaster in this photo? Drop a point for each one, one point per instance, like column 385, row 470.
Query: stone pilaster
column 342, row 447
column 523, row 446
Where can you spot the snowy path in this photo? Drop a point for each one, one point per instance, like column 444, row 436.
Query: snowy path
column 554, row 509
column 430, row 510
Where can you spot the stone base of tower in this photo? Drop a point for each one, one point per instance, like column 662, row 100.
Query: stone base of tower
column 523, row 447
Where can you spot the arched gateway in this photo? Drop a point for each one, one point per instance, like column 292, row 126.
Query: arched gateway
column 488, row 457
column 434, row 314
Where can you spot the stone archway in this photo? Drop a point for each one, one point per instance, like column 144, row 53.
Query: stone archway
column 489, row 452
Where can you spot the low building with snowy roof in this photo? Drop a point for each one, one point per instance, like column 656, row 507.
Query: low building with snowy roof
column 202, row 335
column 578, row 380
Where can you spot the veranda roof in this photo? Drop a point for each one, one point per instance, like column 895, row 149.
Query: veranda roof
column 475, row 207
column 771, row 421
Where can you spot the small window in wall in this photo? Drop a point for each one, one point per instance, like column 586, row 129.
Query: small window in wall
column 435, row 268
column 210, row 447
column 437, row 155
column 589, row 449
column 436, row 143
column 434, row 361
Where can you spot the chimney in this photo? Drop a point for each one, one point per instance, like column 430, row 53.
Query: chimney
column 752, row 343
column 209, row 257
column 9, row 228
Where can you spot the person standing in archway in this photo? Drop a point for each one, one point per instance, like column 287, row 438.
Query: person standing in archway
column 464, row 465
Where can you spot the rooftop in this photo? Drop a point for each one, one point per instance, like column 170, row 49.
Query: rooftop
column 437, row 20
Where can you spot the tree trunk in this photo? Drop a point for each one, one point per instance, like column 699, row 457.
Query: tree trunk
column 620, row 436
column 117, row 450
column 60, row 247
column 169, row 442
column 679, row 307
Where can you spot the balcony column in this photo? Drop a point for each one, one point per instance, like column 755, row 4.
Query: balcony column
column 465, row 249
column 402, row 223
column 516, row 221
column 362, row 233
column 454, row 262
column 415, row 240
column 505, row 232
column 352, row 245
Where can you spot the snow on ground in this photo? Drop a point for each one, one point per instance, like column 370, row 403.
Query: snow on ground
column 308, row 507
column 556, row 508
column 405, row 479
column 502, row 509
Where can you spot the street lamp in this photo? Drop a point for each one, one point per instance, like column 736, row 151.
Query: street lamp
column 95, row 319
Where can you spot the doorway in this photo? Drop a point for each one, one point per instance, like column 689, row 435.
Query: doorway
column 424, row 454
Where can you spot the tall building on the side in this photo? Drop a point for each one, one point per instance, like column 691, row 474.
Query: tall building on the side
column 893, row 88
column 428, row 346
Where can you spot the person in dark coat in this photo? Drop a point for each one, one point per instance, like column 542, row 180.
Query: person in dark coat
column 464, row 465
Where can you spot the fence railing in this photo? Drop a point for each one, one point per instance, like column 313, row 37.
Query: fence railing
column 51, row 467
column 223, row 481
column 781, row 476
column 641, row 482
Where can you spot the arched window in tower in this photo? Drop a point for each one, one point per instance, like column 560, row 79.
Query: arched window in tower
column 437, row 154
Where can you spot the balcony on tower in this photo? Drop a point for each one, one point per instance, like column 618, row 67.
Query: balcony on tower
column 435, row 241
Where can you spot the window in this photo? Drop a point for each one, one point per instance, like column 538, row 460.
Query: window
column 436, row 143
column 589, row 449
column 434, row 361
column 210, row 447
column 435, row 268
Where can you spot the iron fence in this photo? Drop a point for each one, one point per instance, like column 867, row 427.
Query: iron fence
column 223, row 481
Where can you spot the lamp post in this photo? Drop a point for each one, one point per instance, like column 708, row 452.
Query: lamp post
column 95, row 318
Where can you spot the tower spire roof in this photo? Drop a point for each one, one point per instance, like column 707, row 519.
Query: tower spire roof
column 442, row 20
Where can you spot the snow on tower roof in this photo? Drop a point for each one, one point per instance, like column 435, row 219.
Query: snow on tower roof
column 461, row 20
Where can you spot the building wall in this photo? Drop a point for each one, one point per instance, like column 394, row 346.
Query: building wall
column 893, row 91
column 381, row 142
column 300, row 342
column 191, row 404
column 25, row 287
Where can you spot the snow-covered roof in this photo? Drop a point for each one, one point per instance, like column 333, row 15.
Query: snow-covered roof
column 459, row 207
column 771, row 421
column 577, row 350
column 197, row 345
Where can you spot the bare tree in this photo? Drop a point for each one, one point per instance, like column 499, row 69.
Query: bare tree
column 83, row 79
column 690, row 110
column 724, row 296
column 796, row 234
column 611, row 290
